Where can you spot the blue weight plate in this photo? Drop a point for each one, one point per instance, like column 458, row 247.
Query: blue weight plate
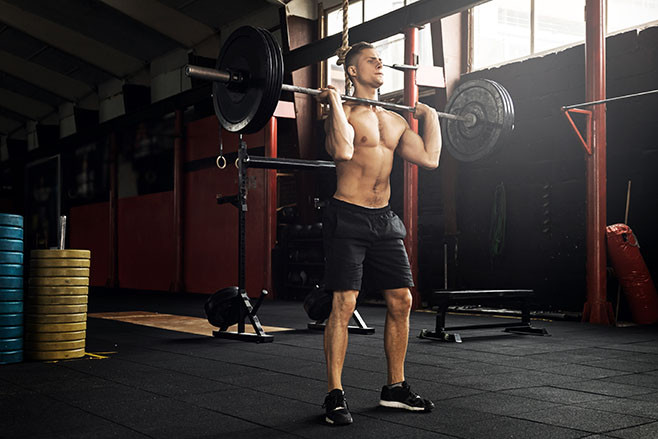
column 11, row 331
column 11, row 282
column 11, row 270
column 7, row 219
column 11, row 319
column 11, row 232
column 11, row 307
column 11, row 357
column 11, row 257
column 11, row 295
column 11, row 245
column 11, row 344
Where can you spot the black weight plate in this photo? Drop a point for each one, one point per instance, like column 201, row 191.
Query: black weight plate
column 481, row 98
column 509, row 110
column 11, row 297
column 236, row 105
column 11, row 282
column 7, row 219
column 11, row 257
column 10, row 344
column 11, row 357
column 276, row 77
column 11, row 270
column 11, row 331
column 11, row 245
column 11, row 232
column 260, row 118
column 507, row 124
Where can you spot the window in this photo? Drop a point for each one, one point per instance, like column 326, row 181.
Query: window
column 390, row 49
column 504, row 30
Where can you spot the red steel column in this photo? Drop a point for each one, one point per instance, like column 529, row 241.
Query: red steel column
column 410, row 170
column 270, row 202
column 177, row 285
column 597, row 309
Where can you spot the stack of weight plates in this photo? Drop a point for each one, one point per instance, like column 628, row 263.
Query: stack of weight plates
column 56, row 304
column 11, row 288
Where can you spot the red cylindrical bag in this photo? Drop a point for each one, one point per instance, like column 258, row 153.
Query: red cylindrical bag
column 632, row 272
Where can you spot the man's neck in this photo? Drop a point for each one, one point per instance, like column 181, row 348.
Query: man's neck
column 365, row 92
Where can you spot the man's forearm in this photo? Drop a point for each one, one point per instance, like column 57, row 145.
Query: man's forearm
column 432, row 138
column 340, row 133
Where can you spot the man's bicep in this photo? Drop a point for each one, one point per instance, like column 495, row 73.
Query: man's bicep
column 411, row 146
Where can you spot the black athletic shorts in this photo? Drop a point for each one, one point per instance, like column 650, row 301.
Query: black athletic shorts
column 359, row 240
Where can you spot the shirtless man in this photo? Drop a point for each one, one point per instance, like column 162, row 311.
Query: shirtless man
column 360, row 229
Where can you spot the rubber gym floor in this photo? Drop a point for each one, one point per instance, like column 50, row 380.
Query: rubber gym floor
column 140, row 380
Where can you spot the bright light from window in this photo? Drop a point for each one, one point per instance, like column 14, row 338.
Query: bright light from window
column 501, row 31
column 624, row 14
column 558, row 23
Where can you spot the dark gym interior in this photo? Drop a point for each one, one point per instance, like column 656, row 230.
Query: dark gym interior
column 109, row 146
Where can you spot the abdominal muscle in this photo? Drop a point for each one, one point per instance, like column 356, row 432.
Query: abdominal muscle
column 364, row 180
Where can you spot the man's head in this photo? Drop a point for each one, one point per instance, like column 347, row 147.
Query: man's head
column 363, row 65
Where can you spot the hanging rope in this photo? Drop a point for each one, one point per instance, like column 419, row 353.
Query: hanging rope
column 344, row 47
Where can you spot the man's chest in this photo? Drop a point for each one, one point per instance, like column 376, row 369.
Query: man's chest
column 375, row 129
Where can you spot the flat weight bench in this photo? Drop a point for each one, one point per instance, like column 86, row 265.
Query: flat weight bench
column 444, row 299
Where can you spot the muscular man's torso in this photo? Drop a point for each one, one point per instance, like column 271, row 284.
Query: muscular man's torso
column 364, row 180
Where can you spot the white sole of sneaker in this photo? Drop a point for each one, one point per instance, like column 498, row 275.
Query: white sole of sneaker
column 400, row 405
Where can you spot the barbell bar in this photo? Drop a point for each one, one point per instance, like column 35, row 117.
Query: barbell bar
column 208, row 74
column 248, row 81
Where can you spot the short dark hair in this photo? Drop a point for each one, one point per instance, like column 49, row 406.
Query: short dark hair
column 353, row 54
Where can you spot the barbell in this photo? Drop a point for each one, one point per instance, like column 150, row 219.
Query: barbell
column 248, row 81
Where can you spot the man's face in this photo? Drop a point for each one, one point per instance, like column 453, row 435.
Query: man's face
column 369, row 69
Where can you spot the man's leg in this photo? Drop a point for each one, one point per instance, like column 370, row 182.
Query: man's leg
column 335, row 336
column 335, row 347
column 397, row 393
column 396, row 332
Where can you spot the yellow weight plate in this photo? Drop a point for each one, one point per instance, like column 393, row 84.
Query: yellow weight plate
column 58, row 281
column 57, row 291
column 55, row 355
column 59, row 263
column 55, row 318
column 55, row 309
column 33, row 328
column 59, row 272
column 57, row 300
column 54, row 345
column 54, row 336
column 71, row 254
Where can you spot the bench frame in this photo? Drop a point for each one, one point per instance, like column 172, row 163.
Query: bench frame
column 444, row 299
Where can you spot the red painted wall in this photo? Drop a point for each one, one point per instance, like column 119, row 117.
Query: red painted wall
column 146, row 241
column 211, row 230
column 88, row 228
column 146, row 228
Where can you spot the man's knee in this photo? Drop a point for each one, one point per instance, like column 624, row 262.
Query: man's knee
column 399, row 302
column 344, row 304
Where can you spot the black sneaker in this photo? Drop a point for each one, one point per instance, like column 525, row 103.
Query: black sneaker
column 336, row 406
column 402, row 397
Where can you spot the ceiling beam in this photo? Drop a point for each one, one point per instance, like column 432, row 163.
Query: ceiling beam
column 50, row 80
column 415, row 14
column 28, row 107
column 69, row 41
column 165, row 20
